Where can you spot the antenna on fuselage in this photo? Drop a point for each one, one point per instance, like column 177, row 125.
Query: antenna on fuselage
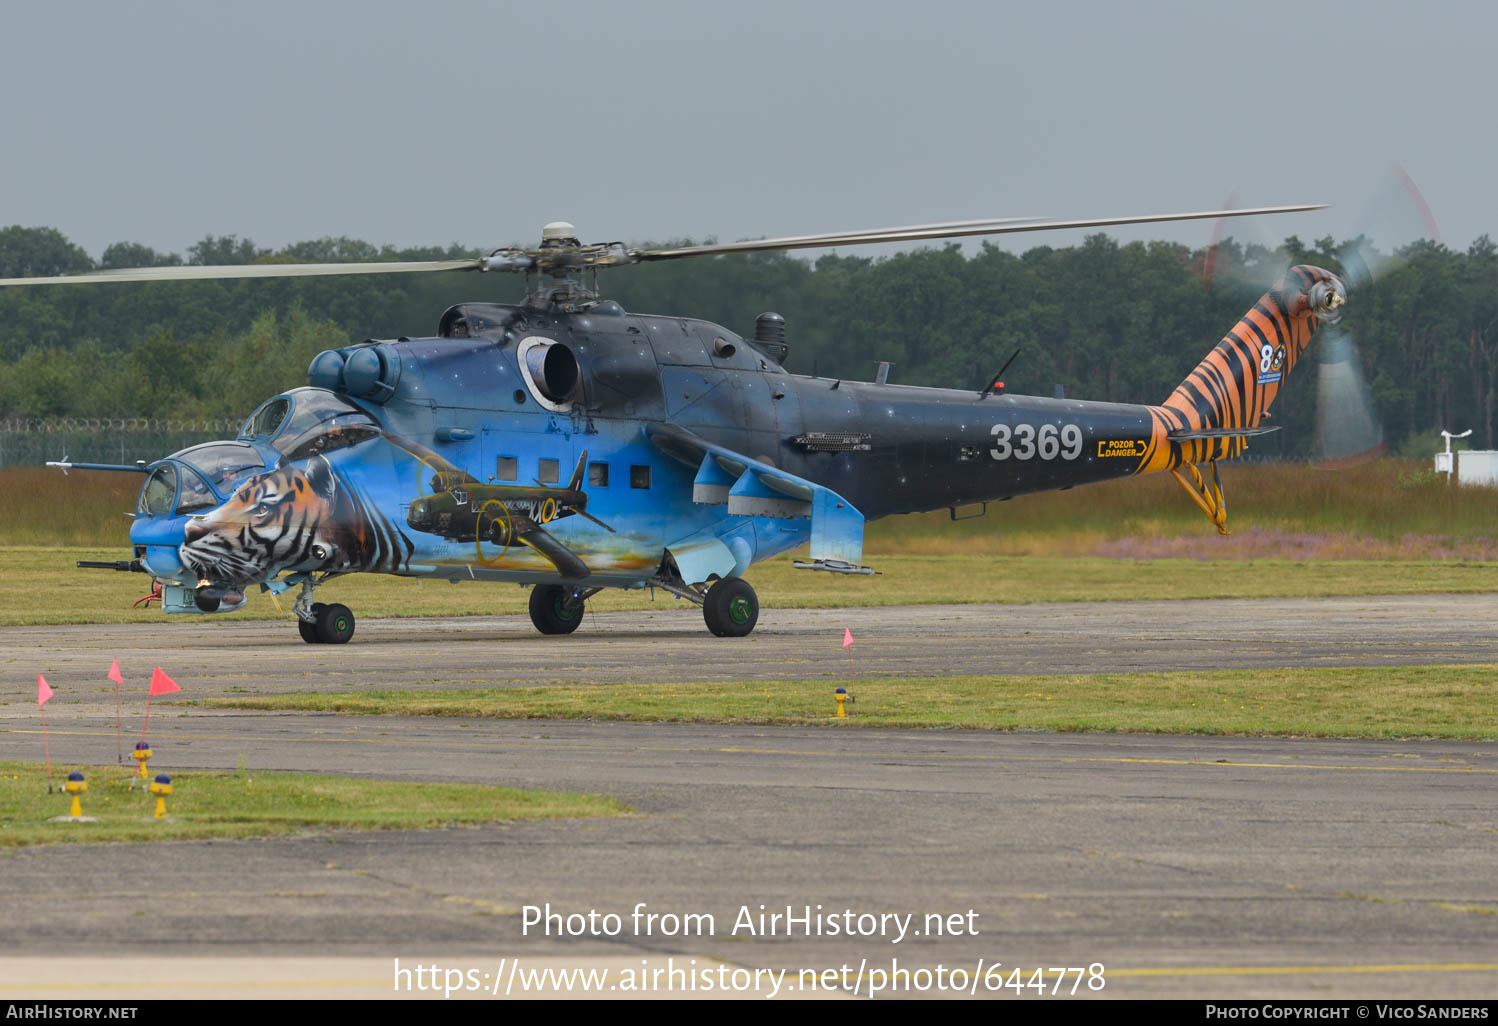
column 995, row 381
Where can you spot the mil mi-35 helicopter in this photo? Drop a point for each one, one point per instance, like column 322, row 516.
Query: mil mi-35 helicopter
column 694, row 453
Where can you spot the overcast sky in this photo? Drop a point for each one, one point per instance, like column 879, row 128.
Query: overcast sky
column 463, row 121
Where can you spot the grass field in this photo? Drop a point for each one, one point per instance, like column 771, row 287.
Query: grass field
column 41, row 585
column 253, row 804
column 1454, row 702
column 1387, row 509
column 1389, row 527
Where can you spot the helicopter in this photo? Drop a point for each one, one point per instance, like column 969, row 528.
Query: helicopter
column 694, row 453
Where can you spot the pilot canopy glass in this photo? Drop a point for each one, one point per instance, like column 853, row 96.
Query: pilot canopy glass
column 159, row 491
column 197, row 479
column 308, row 421
column 224, row 464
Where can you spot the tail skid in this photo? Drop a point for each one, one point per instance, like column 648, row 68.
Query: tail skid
column 1210, row 500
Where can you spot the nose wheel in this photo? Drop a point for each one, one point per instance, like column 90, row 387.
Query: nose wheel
column 332, row 624
column 730, row 607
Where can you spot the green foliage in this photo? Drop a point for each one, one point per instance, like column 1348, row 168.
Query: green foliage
column 215, row 250
column 1102, row 319
column 32, row 252
column 133, row 254
column 1421, row 480
column 164, row 376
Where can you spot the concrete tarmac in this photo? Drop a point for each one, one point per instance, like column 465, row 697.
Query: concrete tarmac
column 671, row 644
column 1185, row 866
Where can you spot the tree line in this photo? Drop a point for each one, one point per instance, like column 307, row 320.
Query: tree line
column 1101, row 319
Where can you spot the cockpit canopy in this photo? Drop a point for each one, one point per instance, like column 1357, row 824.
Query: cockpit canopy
column 198, row 478
column 308, row 421
column 299, row 424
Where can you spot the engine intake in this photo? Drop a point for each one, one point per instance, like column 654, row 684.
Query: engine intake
column 551, row 371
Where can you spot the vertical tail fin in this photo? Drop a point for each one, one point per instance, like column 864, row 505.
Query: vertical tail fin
column 1212, row 413
column 576, row 483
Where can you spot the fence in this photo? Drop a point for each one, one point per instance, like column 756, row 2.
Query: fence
column 103, row 439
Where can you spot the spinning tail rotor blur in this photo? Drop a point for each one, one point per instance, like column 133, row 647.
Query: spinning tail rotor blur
column 1348, row 430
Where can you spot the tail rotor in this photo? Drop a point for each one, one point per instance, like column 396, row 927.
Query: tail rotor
column 1348, row 430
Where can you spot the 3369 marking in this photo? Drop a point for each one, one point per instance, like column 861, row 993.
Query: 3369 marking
column 1025, row 442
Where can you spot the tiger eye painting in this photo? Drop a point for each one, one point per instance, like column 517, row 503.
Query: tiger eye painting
column 291, row 518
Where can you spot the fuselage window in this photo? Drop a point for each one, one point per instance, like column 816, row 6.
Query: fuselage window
column 639, row 477
column 598, row 475
column 550, row 472
column 506, row 469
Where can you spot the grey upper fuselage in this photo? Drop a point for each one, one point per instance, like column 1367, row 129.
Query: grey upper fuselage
column 885, row 448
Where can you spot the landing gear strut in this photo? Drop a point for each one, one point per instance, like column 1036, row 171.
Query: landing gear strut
column 308, row 629
column 321, row 624
column 731, row 608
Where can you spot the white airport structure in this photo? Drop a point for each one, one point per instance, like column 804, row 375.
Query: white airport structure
column 1472, row 466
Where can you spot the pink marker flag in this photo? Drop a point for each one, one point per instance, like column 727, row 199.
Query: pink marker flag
column 848, row 644
column 161, row 684
column 43, row 693
column 114, row 675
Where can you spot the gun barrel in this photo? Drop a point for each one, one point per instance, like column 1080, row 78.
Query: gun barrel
column 122, row 565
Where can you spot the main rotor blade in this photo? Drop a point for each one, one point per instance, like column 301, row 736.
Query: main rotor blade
column 189, row 273
column 947, row 230
column 878, row 234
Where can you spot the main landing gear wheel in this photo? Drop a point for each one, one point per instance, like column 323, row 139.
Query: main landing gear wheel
column 731, row 608
column 550, row 612
column 335, row 624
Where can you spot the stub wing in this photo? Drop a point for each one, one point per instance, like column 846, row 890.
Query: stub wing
column 750, row 488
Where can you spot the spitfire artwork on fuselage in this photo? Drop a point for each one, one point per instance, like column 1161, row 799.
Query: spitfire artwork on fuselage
column 690, row 453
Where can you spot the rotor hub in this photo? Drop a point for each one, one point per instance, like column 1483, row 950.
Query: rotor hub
column 559, row 233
